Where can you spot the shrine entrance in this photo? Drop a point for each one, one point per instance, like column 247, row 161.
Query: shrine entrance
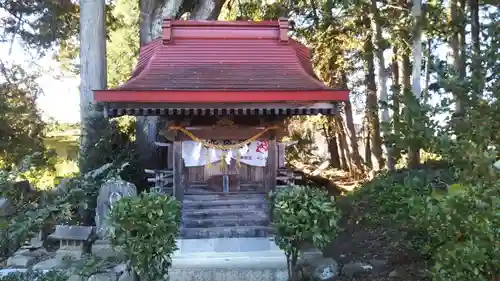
column 213, row 163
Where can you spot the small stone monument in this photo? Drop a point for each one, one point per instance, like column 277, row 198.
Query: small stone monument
column 110, row 192
column 71, row 239
column 35, row 243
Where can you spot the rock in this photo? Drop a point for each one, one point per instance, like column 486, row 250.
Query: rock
column 109, row 276
column 355, row 268
column 6, row 207
column 75, row 277
column 20, row 261
column 22, row 252
column 7, row 271
column 126, row 276
column 35, row 243
column 378, row 263
column 119, row 269
column 393, row 274
column 51, row 264
column 109, row 193
column 325, row 269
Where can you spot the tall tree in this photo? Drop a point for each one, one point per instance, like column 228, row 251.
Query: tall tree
column 152, row 14
column 416, row 13
column 92, row 73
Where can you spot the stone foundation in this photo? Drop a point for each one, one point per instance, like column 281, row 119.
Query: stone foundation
column 228, row 259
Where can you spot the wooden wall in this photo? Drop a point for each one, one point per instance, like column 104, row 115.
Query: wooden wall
column 248, row 174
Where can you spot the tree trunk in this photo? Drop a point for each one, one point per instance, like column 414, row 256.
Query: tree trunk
column 457, row 44
column 368, row 147
column 414, row 150
column 152, row 14
column 372, row 103
column 382, row 74
column 396, row 92
column 427, row 71
column 353, row 139
column 344, row 153
column 92, row 74
column 350, row 130
column 92, row 77
column 477, row 72
column 332, row 144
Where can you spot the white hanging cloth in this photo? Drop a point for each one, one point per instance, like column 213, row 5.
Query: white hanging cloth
column 253, row 154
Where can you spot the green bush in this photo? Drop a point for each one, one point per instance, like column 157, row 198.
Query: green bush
column 303, row 215
column 463, row 229
column 456, row 227
column 145, row 228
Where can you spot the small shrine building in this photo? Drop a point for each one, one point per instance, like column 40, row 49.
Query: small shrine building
column 225, row 89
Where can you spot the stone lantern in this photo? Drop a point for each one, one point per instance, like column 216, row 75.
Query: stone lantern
column 71, row 239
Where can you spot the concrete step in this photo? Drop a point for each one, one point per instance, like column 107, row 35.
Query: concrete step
column 225, row 203
column 226, row 232
column 224, row 213
column 225, row 222
column 223, row 196
column 203, row 189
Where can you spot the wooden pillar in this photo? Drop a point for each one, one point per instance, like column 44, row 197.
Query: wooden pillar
column 281, row 155
column 170, row 156
column 271, row 164
column 178, row 167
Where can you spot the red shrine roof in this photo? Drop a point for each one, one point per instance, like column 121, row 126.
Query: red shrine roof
column 228, row 62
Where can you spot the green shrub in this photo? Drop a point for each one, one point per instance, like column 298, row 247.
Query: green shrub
column 303, row 215
column 145, row 229
column 456, row 227
column 463, row 229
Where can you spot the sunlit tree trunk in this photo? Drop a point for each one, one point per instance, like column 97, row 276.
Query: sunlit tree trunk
column 457, row 44
column 372, row 103
column 396, row 94
column 382, row 77
column 92, row 74
column 416, row 13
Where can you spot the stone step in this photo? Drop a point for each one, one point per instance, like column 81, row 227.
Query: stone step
column 225, row 203
column 225, row 222
column 223, row 196
column 224, row 213
column 226, row 232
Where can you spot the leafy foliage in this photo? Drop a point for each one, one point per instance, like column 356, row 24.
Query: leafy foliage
column 146, row 228
column 20, row 122
column 455, row 225
column 303, row 215
column 72, row 202
column 35, row 275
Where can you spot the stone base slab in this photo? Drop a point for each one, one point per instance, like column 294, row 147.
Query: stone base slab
column 228, row 259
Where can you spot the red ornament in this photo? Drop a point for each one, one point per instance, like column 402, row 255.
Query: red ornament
column 262, row 146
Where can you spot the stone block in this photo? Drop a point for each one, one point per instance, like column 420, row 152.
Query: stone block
column 69, row 253
column 52, row 264
column 109, row 276
column 20, row 261
column 103, row 249
column 194, row 274
column 72, row 233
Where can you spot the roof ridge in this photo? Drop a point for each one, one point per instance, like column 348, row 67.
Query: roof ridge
column 154, row 45
column 294, row 48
